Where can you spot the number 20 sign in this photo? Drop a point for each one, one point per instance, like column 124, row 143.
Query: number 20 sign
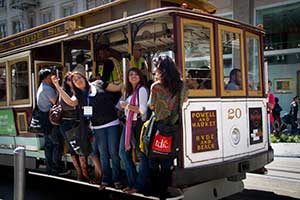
column 234, row 113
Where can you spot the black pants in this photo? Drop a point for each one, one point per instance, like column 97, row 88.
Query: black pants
column 160, row 176
column 294, row 124
column 53, row 145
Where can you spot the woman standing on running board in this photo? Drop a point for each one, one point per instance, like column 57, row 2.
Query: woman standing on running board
column 135, row 107
column 97, row 107
column 166, row 97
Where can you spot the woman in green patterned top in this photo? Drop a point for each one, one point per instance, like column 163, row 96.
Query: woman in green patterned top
column 165, row 101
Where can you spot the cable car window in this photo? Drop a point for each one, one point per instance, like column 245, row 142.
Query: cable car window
column 231, row 60
column 3, row 92
column 198, row 57
column 19, row 82
column 253, row 65
column 78, row 53
column 111, row 45
column 50, row 65
column 154, row 38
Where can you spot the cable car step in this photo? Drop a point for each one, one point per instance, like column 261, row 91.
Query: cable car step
column 92, row 185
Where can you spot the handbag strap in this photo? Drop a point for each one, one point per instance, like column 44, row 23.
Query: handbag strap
column 35, row 106
column 138, row 103
column 57, row 100
column 152, row 121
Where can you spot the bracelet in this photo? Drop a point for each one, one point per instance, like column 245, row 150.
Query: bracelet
column 127, row 107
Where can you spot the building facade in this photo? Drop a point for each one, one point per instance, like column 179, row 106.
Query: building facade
column 19, row 15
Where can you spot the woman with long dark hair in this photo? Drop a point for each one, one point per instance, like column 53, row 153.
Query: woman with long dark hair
column 96, row 106
column 165, row 101
column 69, row 119
column 135, row 107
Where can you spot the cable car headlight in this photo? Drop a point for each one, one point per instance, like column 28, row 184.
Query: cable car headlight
column 235, row 136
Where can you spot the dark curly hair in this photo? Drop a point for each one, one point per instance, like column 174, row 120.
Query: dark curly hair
column 170, row 76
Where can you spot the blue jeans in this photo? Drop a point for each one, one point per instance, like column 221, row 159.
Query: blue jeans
column 64, row 126
column 137, row 181
column 53, row 145
column 106, row 142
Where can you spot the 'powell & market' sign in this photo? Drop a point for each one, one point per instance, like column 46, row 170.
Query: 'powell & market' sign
column 204, row 131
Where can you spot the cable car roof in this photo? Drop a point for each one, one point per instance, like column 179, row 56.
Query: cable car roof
column 196, row 4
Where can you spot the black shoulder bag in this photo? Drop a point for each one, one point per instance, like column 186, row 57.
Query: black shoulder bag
column 35, row 124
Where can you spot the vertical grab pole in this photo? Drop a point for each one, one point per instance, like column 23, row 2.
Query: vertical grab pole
column 124, row 68
column 19, row 173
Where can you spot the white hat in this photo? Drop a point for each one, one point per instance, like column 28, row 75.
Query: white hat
column 79, row 69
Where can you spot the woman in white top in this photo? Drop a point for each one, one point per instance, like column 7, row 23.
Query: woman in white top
column 135, row 107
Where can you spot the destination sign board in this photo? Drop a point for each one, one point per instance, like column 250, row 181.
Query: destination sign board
column 36, row 36
column 204, row 131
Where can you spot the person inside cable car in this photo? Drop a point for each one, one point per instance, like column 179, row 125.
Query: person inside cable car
column 139, row 60
column 193, row 79
column 109, row 70
column 235, row 80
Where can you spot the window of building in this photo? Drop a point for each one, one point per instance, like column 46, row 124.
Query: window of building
column 46, row 16
column 31, row 20
column 231, row 61
column 198, row 57
column 96, row 3
column 282, row 26
column 17, row 26
column 253, row 65
column 3, row 92
column 68, row 10
column 2, row 3
column 19, row 82
column 90, row 4
column 2, row 30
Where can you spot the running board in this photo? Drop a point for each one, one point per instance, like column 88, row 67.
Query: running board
column 91, row 185
column 211, row 190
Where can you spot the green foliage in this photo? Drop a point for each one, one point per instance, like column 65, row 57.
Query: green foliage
column 285, row 138
column 274, row 139
column 297, row 138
